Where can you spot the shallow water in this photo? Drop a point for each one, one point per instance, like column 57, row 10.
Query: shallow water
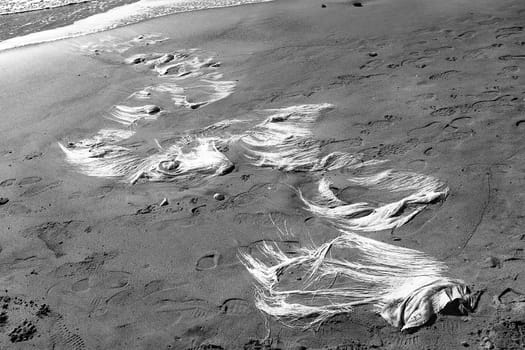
column 15, row 6
column 116, row 17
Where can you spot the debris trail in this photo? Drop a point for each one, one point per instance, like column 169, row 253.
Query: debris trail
column 307, row 286
column 187, row 78
column 285, row 141
column 405, row 286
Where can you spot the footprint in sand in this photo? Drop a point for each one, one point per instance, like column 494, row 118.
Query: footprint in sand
column 372, row 64
column 426, row 132
column 436, row 50
column 80, row 285
column 7, row 182
column 90, row 265
column 122, row 298
column 62, row 337
column 459, row 122
column 153, row 286
column 208, row 261
column 506, row 32
column 429, row 151
column 489, row 21
column 177, row 302
column 469, row 34
column 520, row 124
column 54, row 234
column 444, row 75
column 286, row 246
column 511, row 57
column 236, row 307
column 483, row 52
column 108, row 280
column 501, row 103
column 426, row 96
column 417, row 164
column 408, row 341
column 40, row 188
column 29, row 180
column 375, row 125
column 509, row 70
column 33, row 155
column 89, row 295
column 419, row 62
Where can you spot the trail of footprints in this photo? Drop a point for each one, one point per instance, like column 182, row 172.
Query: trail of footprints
column 94, row 292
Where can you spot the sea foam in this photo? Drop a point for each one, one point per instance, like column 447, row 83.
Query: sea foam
column 117, row 17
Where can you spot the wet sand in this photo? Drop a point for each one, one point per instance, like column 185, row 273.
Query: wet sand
column 434, row 88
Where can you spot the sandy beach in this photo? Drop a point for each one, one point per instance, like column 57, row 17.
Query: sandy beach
column 148, row 171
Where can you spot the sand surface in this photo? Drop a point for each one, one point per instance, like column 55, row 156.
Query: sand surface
column 97, row 263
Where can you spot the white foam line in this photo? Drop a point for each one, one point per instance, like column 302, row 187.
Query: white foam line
column 366, row 217
column 406, row 286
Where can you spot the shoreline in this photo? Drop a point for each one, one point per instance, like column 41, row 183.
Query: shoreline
column 85, row 25
column 22, row 23
column 155, row 264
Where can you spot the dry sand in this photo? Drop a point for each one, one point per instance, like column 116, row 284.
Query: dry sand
column 436, row 87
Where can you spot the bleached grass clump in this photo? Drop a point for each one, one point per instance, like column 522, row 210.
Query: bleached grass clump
column 314, row 283
column 184, row 64
column 203, row 93
column 130, row 115
column 187, row 79
column 101, row 155
column 363, row 216
column 406, row 287
column 198, row 158
column 285, row 141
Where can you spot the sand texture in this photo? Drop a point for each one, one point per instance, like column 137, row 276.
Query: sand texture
column 282, row 175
